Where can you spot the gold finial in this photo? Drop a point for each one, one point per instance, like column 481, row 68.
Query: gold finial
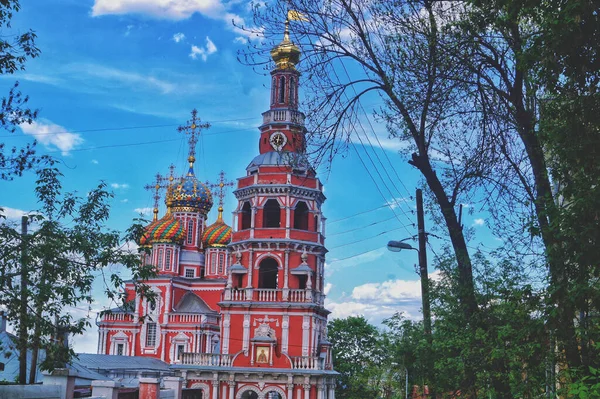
column 286, row 54
column 220, row 185
column 193, row 129
column 169, row 184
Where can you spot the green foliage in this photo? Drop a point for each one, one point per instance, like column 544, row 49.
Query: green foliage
column 67, row 246
column 15, row 50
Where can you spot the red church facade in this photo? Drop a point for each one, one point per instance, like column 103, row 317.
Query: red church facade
column 240, row 312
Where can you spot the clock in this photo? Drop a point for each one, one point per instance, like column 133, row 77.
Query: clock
column 278, row 140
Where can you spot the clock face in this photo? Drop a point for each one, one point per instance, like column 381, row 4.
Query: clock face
column 278, row 140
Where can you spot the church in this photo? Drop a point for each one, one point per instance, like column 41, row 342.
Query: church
column 239, row 310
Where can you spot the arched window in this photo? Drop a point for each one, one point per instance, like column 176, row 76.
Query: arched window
column 292, row 91
column 271, row 214
column 190, row 231
column 246, row 215
column 221, row 262
column 249, row 395
column 301, row 216
column 273, row 90
column 213, row 264
column 316, row 223
column 282, row 89
column 160, row 259
column 168, row 260
column 267, row 276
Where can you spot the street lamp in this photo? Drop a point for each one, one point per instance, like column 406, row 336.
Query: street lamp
column 397, row 246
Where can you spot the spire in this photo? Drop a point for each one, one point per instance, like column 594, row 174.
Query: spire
column 193, row 129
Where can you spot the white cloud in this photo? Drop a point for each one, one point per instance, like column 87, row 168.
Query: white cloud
column 12, row 213
column 125, row 200
column 94, row 161
column 396, row 202
column 163, row 9
column 327, row 288
column 203, row 52
column 240, row 40
column 478, row 222
column 52, row 135
column 135, row 80
column 118, row 186
column 144, row 211
column 377, row 301
column 177, row 37
column 178, row 10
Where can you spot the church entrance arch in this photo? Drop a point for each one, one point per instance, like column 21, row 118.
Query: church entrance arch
column 268, row 269
column 249, row 395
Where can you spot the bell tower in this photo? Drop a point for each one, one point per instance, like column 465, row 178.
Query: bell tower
column 283, row 125
column 272, row 308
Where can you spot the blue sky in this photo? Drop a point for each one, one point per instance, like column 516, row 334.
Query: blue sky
column 114, row 80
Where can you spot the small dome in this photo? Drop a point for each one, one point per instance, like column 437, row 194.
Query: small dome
column 286, row 54
column 145, row 238
column 217, row 234
column 190, row 195
column 165, row 230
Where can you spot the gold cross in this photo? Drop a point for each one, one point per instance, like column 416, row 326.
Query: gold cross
column 157, row 186
column 220, row 185
column 193, row 129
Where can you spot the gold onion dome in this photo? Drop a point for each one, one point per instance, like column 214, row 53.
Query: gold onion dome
column 189, row 194
column 217, row 234
column 286, row 54
column 165, row 230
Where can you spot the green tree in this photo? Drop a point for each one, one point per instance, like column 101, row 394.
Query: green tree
column 54, row 265
column 358, row 357
column 15, row 50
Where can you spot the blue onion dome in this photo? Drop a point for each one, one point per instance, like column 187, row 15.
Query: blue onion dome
column 189, row 194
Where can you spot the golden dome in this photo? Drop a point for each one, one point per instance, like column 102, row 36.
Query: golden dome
column 286, row 54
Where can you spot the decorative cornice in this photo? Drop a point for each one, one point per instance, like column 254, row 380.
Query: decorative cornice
column 262, row 189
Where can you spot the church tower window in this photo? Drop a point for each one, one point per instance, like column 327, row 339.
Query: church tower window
column 273, row 90
column 221, row 262
column 246, row 215
column 292, row 91
column 190, row 231
column 301, row 216
column 168, row 260
column 271, row 214
column 268, row 274
column 281, row 89
column 213, row 264
column 151, row 334
column 160, row 259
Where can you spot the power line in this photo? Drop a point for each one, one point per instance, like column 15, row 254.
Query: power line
column 357, row 214
column 362, row 227
column 143, row 143
column 124, row 128
column 368, row 238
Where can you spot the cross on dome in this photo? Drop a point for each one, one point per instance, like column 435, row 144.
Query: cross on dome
column 193, row 129
column 220, row 185
column 156, row 187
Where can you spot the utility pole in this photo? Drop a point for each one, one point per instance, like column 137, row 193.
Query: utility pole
column 23, row 307
column 425, row 291
column 423, row 266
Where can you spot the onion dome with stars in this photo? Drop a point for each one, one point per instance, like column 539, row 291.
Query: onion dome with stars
column 217, row 234
column 167, row 230
column 189, row 194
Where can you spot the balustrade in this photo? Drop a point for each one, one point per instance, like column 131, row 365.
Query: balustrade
column 306, row 363
column 283, row 115
column 206, row 359
column 118, row 317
